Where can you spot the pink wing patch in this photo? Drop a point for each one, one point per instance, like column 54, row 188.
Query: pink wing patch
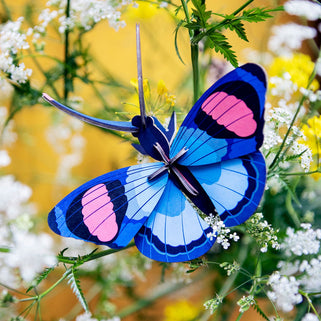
column 230, row 112
column 98, row 212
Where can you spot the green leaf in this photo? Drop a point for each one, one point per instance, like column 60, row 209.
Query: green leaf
column 74, row 282
column 238, row 27
column 200, row 12
column 175, row 41
column 40, row 278
column 258, row 14
column 220, row 44
column 260, row 312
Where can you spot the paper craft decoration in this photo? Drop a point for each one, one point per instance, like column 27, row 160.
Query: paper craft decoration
column 213, row 164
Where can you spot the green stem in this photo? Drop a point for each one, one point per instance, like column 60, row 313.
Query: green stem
column 239, row 316
column 241, row 258
column 6, row 9
column 196, row 76
column 94, row 256
column 194, row 55
column 224, row 21
column 278, row 154
column 300, row 173
column 66, row 58
column 48, row 81
column 40, row 296
column 306, row 295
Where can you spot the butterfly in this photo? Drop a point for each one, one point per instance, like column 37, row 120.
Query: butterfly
column 213, row 164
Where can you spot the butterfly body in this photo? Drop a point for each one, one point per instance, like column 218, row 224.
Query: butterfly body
column 212, row 164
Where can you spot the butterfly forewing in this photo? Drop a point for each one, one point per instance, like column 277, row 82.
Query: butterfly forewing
column 227, row 121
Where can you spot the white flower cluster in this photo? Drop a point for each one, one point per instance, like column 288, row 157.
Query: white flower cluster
column 220, row 232
column 293, row 275
column 278, row 120
column 83, row 14
column 289, row 37
column 285, row 291
column 263, row 232
column 28, row 253
column 31, row 253
column 310, row 317
column 12, row 41
column 303, row 8
column 302, row 242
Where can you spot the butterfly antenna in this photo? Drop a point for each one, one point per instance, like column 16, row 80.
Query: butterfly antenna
column 140, row 77
column 108, row 124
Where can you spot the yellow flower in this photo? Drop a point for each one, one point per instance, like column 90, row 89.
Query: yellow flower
column 134, row 82
column 312, row 132
column 143, row 10
column 181, row 311
column 170, row 99
column 299, row 66
column 161, row 88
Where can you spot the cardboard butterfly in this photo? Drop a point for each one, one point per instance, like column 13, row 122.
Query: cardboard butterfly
column 212, row 164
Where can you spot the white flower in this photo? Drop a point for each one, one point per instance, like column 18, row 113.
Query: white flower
column 303, row 8
column 311, row 280
column 4, row 158
column 11, row 39
column 288, row 37
column 13, row 196
column 301, row 242
column 220, row 231
column 305, row 152
column 285, row 291
column 310, row 317
column 85, row 14
column 31, row 253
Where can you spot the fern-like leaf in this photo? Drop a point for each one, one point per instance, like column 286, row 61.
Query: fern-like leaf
column 220, row 44
column 238, row 27
column 260, row 312
column 74, row 282
column 43, row 275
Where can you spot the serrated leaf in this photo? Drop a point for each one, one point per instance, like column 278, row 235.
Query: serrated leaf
column 220, row 44
column 200, row 12
column 76, row 288
column 256, row 14
column 260, row 312
column 192, row 25
column 238, row 27
column 40, row 278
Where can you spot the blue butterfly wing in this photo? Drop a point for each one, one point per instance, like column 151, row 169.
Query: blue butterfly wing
column 174, row 232
column 227, row 121
column 234, row 186
column 111, row 208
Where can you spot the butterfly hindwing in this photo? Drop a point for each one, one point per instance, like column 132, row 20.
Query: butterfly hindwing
column 111, row 208
column 227, row 121
column 174, row 232
column 234, row 186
